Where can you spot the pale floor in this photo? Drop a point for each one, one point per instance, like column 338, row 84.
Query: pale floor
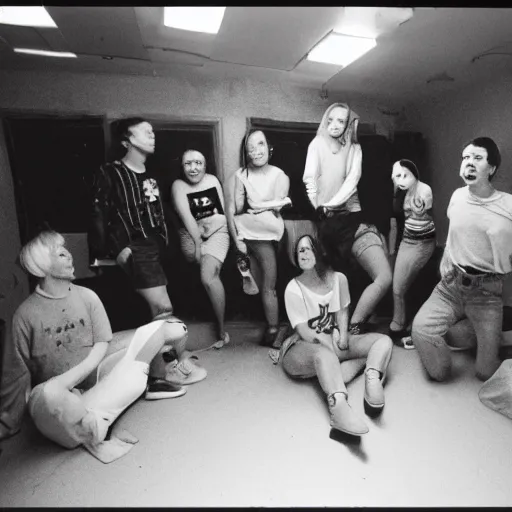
column 250, row 436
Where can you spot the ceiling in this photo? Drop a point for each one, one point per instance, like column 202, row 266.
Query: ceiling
column 436, row 50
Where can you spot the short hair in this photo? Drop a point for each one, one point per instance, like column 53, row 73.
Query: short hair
column 493, row 152
column 321, row 265
column 121, row 128
column 244, row 157
column 35, row 255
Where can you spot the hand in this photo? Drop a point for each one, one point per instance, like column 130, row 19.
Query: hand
column 336, row 338
column 241, row 246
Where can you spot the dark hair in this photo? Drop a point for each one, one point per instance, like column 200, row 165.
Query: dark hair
column 244, row 157
column 410, row 166
column 321, row 265
column 121, row 129
column 493, row 153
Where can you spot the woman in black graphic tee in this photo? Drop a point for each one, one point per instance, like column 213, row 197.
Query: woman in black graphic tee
column 204, row 237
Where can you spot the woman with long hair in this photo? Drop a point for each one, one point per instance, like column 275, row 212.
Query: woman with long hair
column 260, row 191
column 331, row 176
column 317, row 303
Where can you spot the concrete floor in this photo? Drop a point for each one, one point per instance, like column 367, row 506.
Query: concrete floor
column 249, row 436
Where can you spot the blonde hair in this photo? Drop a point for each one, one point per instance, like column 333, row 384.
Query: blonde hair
column 35, row 256
column 350, row 132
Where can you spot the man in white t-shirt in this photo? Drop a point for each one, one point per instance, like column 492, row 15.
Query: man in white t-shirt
column 476, row 261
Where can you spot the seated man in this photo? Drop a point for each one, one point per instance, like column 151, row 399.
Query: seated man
column 60, row 335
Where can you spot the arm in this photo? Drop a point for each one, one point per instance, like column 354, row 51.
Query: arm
column 341, row 338
column 393, row 231
column 82, row 370
column 355, row 160
column 183, row 210
column 16, row 379
column 235, row 205
column 311, row 172
column 281, row 194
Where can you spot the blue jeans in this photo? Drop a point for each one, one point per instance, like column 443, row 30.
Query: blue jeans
column 479, row 298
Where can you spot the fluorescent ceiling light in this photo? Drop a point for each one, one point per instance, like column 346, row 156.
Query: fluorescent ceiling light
column 340, row 49
column 33, row 16
column 45, row 53
column 196, row 19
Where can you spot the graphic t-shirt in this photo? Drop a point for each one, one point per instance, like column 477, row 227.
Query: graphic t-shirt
column 49, row 337
column 317, row 310
column 204, row 203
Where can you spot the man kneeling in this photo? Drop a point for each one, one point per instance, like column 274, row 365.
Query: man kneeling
column 84, row 376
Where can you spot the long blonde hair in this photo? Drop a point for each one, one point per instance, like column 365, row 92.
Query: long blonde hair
column 349, row 133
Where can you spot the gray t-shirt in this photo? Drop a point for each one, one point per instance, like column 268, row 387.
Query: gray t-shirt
column 49, row 337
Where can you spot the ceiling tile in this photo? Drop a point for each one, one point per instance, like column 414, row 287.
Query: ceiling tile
column 105, row 31
column 272, row 37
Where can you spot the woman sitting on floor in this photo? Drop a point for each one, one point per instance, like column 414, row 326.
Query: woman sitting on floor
column 317, row 303
column 62, row 344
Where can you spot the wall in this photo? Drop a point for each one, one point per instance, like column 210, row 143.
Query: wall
column 187, row 96
column 448, row 122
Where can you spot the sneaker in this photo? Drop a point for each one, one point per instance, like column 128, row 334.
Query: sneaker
column 343, row 417
column 159, row 388
column 184, row 372
column 373, row 390
column 248, row 283
column 224, row 341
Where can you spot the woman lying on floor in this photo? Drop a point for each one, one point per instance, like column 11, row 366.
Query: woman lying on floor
column 61, row 335
column 317, row 303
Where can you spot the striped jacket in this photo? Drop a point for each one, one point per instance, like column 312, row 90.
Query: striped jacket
column 126, row 207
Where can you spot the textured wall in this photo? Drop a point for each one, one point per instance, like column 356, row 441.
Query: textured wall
column 188, row 97
column 448, row 122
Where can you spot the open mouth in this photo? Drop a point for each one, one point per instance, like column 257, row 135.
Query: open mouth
column 469, row 177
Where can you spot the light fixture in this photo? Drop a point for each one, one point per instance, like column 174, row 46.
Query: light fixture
column 27, row 16
column 340, row 49
column 196, row 19
column 45, row 53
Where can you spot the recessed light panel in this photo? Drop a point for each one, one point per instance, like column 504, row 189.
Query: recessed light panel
column 341, row 49
column 26, row 16
column 44, row 53
column 196, row 19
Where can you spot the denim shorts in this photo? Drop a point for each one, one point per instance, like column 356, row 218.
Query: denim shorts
column 367, row 235
column 144, row 265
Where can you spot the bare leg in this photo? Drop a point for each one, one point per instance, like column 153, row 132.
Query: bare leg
column 157, row 299
column 376, row 264
column 265, row 255
column 210, row 277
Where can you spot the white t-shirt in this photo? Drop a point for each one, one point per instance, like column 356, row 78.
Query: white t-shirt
column 480, row 232
column 318, row 311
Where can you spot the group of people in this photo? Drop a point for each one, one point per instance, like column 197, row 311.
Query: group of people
column 77, row 377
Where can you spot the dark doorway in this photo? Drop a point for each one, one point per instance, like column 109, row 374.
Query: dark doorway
column 51, row 161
